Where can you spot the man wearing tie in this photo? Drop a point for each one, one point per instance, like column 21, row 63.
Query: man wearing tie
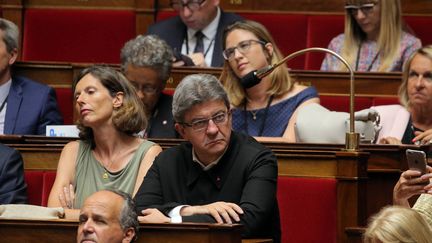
column 26, row 107
column 12, row 184
column 197, row 31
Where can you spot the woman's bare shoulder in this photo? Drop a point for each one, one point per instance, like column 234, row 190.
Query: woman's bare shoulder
column 71, row 146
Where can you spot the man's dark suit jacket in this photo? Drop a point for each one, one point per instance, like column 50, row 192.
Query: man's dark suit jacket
column 246, row 175
column 173, row 31
column 31, row 106
column 12, row 185
column 161, row 125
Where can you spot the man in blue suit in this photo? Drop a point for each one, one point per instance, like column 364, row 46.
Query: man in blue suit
column 26, row 107
column 12, row 185
column 180, row 32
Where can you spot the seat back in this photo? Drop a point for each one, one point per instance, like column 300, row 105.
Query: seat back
column 420, row 26
column 76, row 35
column 288, row 31
column 39, row 184
column 34, row 181
column 341, row 103
column 48, row 182
column 308, row 209
column 321, row 30
column 385, row 101
column 65, row 103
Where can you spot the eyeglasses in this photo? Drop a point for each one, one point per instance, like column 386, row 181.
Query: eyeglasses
column 201, row 124
column 192, row 5
column 366, row 8
column 148, row 89
column 243, row 47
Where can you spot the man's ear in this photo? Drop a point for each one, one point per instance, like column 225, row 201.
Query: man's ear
column 129, row 235
column 181, row 130
column 13, row 56
column 118, row 100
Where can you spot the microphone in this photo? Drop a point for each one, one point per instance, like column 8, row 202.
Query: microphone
column 253, row 78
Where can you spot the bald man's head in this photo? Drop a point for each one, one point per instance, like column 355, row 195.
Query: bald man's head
column 107, row 216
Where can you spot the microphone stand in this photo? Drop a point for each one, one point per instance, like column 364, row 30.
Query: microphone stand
column 352, row 139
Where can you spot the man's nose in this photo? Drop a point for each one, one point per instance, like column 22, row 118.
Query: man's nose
column 212, row 128
column 186, row 11
column 140, row 94
column 88, row 227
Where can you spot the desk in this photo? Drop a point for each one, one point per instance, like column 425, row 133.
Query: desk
column 383, row 166
column 330, row 83
column 54, row 231
column 365, row 179
column 348, row 168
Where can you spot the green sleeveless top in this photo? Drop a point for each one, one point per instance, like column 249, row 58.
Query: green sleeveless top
column 89, row 173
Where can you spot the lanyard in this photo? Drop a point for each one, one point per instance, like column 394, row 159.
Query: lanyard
column 358, row 60
column 206, row 51
column 3, row 104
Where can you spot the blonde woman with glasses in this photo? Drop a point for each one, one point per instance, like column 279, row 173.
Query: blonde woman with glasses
column 269, row 108
column 374, row 39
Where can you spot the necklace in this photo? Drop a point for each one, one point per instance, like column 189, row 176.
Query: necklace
column 254, row 117
column 106, row 170
column 105, row 175
column 254, row 114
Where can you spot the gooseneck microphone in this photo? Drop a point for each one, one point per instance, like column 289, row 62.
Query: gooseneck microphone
column 253, row 78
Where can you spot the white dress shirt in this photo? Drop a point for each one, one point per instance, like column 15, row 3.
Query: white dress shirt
column 208, row 40
column 4, row 91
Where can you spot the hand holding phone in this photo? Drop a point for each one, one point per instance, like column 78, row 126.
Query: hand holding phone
column 417, row 161
column 180, row 57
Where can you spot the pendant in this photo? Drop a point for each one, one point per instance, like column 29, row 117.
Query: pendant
column 254, row 116
column 105, row 175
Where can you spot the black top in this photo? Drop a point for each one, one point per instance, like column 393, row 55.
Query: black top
column 245, row 175
column 408, row 136
column 161, row 124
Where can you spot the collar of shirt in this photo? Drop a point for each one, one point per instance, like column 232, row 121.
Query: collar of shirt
column 209, row 166
column 4, row 90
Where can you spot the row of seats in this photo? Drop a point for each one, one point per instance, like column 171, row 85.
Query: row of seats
column 84, row 35
column 292, row 193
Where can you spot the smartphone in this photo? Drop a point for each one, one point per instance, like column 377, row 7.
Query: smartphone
column 180, row 57
column 416, row 160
